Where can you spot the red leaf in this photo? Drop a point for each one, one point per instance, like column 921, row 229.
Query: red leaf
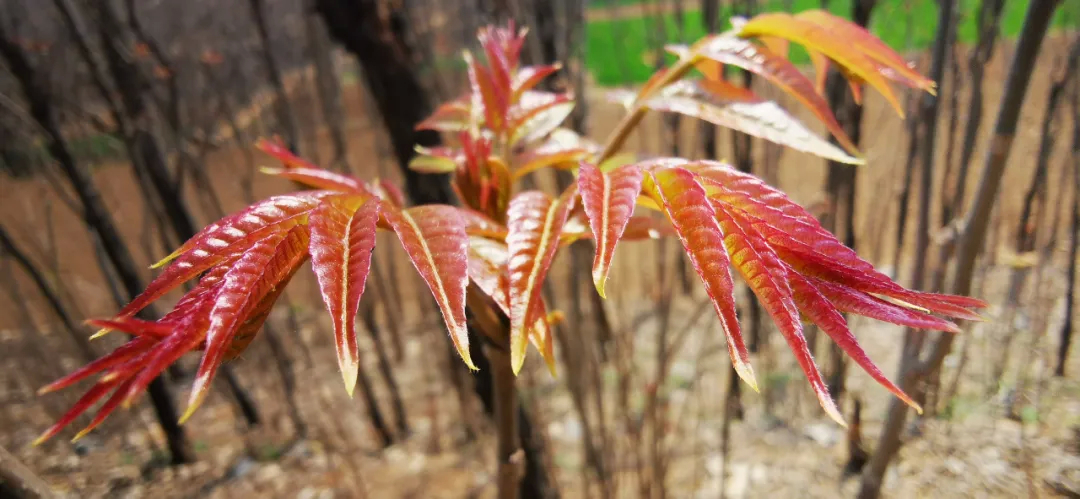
column 342, row 239
column 808, row 247
column 434, row 238
column 775, row 295
column 530, row 76
column 254, row 275
column 485, row 98
column 684, row 202
column 608, row 199
column 226, row 238
column 535, row 223
column 452, row 116
column 856, row 302
column 321, row 179
column 823, row 313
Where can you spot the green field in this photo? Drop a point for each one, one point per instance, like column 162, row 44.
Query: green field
column 617, row 51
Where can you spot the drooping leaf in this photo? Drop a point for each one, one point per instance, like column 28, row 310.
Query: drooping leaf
column 856, row 302
column 775, row 295
column 535, row 223
column 320, row 179
column 487, row 269
column 342, row 239
column 726, row 49
column 123, row 353
column 254, row 275
column 890, row 63
column 562, row 148
column 763, row 119
column 452, row 116
column 833, row 43
column 801, row 240
column 686, row 205
column 229, row 236
column 81, row 406
column 608, row 199
column 434, row 238
column 823, row 313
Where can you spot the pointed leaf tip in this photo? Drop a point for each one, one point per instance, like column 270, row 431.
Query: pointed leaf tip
column 686, row 204
column 342, row 239
column 608, row 199
column 535, row 223
column 436, row 242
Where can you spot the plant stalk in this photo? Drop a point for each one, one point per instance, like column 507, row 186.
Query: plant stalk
column 630, row 121
column 508, row 452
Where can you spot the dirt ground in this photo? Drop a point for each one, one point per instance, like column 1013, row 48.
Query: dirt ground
column 783, row 447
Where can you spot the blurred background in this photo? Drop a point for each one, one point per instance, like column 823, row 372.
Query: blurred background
column 126, row 126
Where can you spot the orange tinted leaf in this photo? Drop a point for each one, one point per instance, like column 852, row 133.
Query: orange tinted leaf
column 834, row 44
column 770, row 286
column 434, row 238
column 725, row 91
column 776, row 45
column 759, row 60
column 608, row 199
column 890, row 63
column 821, row 70
column 535, row 223
column 342, row 239
column 685, row 203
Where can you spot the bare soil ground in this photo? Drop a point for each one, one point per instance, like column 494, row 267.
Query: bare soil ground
column 783, row 447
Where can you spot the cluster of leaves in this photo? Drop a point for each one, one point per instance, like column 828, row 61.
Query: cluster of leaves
column 496, row 249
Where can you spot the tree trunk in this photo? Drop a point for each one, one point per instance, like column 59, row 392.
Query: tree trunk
column 379, row 43
column 8, row 248
column 977, row 221
column 137, row 124
column 1065, row 337
column 285, row 116
column 96, row 217
column 326, row 80
column 710, row 14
